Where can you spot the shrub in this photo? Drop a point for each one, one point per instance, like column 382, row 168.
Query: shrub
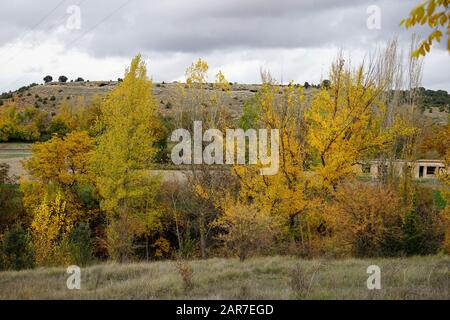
column 186, row 273
column 120, row 236
column 62, row 79
column 250, row 115
column 58, row 126
column 326, row 84
column 80, row 245
column 445, row 246
column 423, row 225
column 246, row 229
column 365, row 220
column 48, row 79
column 17, row 251
column 10, row 200
column 302, row 279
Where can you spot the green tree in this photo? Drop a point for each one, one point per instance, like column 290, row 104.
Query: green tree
column 80, row 245
column 48, row 79
column 17, row 251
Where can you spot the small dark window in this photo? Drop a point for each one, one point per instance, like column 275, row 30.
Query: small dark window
column 366, row 168
column 431, row 170
column 420, row 171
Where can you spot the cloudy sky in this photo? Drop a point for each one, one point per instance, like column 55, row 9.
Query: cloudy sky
column 295, row 39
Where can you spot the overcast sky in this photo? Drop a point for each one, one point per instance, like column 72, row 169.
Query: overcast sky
column 295, row 39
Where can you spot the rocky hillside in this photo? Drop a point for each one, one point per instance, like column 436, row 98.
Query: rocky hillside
column 48, row 97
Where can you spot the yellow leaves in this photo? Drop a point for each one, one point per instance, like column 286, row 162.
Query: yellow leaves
column 51, row 225
column 343, row 122
column 428, row 12
column 64, row 161
column 362, row 216
column 122, row 160
column 420, row 12
column 246, row 228
column 283, row 194
column 162, row 247
column 431, row 7
column 197, row 73
column 201, row 192
column 221, row 83
column 20, row 125
column 126, row 148
column 443, row 19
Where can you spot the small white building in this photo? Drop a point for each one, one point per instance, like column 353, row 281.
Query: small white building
column 420, row 169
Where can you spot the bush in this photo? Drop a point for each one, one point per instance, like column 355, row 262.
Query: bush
column 58, row 126
column 247, row 229
column 445, row 246
column 186, row 272
column 422, row 228
column 366, row 220
column 17, row 252
column 62, row 79
column 326, row 84
column 48, row 79
column 120, row 235
column 80, row 245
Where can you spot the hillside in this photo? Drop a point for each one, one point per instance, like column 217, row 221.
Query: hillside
column 257, row 278
column 47, row 97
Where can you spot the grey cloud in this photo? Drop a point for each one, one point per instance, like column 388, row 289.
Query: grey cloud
column 199, row 26
column 206, row 27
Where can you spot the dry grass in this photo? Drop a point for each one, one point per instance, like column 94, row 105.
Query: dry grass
column 258, row 278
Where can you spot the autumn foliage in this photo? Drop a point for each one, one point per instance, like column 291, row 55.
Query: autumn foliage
column 92, row 191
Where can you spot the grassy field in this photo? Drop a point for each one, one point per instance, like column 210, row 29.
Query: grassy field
column 258, row 278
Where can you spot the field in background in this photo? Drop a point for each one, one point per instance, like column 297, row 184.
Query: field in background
column 13, row 154
column 258, row 278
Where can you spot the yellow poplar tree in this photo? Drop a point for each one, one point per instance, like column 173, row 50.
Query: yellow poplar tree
column 124, row 154
column 197, row 73
column 51, row 225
